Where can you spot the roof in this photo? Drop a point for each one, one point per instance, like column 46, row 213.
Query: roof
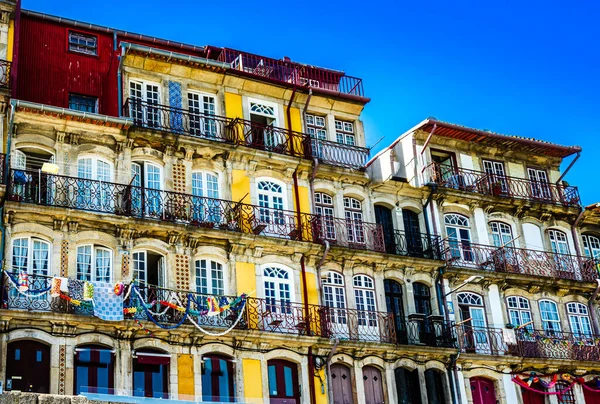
column 491, row 139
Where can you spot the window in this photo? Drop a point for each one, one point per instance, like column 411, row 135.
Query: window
column 271, row 201
column 151, row 374
column 550, row 319
column 147, row 183
column 472, row 315
column 558, row 242
column 354, row 216
column 519, row 311
column 145, row 99
column 422, row 298
column 459, row 236
column 284, row 386
column 316, row 126
column 278, row 289
column 496, row 177
column 94, row 370
column 591, row 246
column 94, row 263
column 209, row 278
column 434, row 386
column 148, row 269
column 83, row 103
column 324, row 208
column 201, row 107
column 364, row 295
column 334, row 296
column 31, row 255
column 344, row 132
column 90, row 194
column 83, row 43
column 539, row 183
column 501, row 234
column 567, row 395
column 206, row 185
column 218, row 379
column 579, row 319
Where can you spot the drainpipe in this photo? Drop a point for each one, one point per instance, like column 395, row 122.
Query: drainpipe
column 119, row 53
column 6, row 180
column 288, row 115
column 569, row 167
column 454, row 379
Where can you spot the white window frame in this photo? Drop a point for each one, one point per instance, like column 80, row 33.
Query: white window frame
column 199, row 124
column 143, row 164
column 275, row 106
column 93, row 267
column 345, row 132
column 203, row 181
column 94, row 167
column 162, row 269
column 276, row 287
column 315, row 129
column 460, row 247
column 499, row 234
column 559, row 238
column 555, row 323
column 591, row 246
column 578, row 314
column 521, row 308
column 213, row 268
column 270, row 194
column 31, row 240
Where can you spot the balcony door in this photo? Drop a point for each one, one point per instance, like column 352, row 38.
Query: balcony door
column 145, row 101
column 278, row 313
column 284, row 386
column 395, row 305
column 146, row 192
column 539, row 184
column 496, row 177
column 206, row 207
column 28, row 366
column 201, row 107
column 354, row 222
column 364, row 297
column 149, row 271
column 459, row 237
column 560, row 248
column 272, row 202
column 91, row 193
column 412, row 229
column 445, row 169
column 474, row 334
column 424, row 328
column 334, row 298
column 483, row 391
column 383, row 216
column 262, row 134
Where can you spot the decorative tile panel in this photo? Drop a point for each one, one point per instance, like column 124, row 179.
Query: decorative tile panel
column 62, row 369
column 182, row 272
column 175, row 101
column 179, row 178
column 64, row 259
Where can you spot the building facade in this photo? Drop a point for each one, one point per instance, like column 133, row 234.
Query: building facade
column 200, row 223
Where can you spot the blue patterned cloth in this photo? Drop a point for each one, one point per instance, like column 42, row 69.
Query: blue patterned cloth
column 107, row 305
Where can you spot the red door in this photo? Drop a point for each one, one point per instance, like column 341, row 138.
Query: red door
column 531, row 397
column 28, row 366
column 341, row 381
column 590, row 396
column 283, row 382
column 483, row 391
column 373, row 385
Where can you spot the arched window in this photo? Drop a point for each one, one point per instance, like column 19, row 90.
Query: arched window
column 364, row 296
column 591, row 246
column 472, row 314
column 501, row 234
column 324, row 208
column 558, row 242
column 147, row 183
column 422, row 298
column 567, row 395
column 550, row 319
column 435, row 386
column 334, row 295
column 579, row 319
column 94, row 263
column 519, row 311
column 354, row 217
column 459, row 236
column 408, row 386
column 210, row 277
column 151, row 374
column 271, row 197
column 94, row 370
column 218, row 379
column 31, row 255
column 93, row 168
column 278, row 289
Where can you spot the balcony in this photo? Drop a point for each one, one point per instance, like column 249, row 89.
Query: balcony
column 291, row 73
column 354, row 234
column 125, row 200
column 556, row 345
column 242, row 132
column 418, row 245
column 521, row 261
column 5, row 66
column 417, row 329
column 481, row 340
column 501, row 186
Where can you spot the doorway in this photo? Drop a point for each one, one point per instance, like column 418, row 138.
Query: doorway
column 383, row 216
column 373, row 385
column 28, row 366
column 483, row 391
column 412, row 229
column 341, row 382
column 395, row 306
column 284, row 387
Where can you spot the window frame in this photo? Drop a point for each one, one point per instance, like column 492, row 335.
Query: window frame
column 588, row 251
column 82, row 96
column 500, row 233
column 519, row 310
column 111, row 367
column 578, row 315
column 270, row 194
column 216, row 378
column 93, row 268
column 220, row 290
column 313, row 129
column 94, row 167
column 344, row 133
column 29, row 269
column 555, row 322
column 83, row 34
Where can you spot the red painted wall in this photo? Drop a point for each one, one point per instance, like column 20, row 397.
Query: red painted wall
column 48, row 71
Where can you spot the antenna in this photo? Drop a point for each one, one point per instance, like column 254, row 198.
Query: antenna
column 376, row 143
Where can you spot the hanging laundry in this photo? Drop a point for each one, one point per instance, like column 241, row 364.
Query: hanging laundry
column 55, row 288
column 23, row 281
column 64, row 284
column 88, row 291
column 107, row 305
column 213, row 306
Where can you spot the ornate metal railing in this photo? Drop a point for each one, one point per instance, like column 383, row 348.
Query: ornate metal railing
column 357, row 325
column 417, row 329
column 5, row 66
column 181, row 121
column 274, row 315
column 354, row 234
column 557, row 345
column 481, row 340
column 288, row 72
column 105, row 197
column 419, row 245
column 501, row 185
column 339, row 154
column 521, row 261
column 272, row 139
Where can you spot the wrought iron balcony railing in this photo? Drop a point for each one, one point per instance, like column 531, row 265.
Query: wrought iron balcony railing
column 357, row 325
column 502, row 186
column 272, row 138
column 288, row 72
column 418, row 329
column 521, row 261
column 557, row 345
column 339, row 154
column 419, row 245
column 105, row 197
column 5, row 66
column 354, row 234
column 481, row 340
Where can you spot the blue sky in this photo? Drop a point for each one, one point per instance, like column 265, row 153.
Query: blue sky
column 526, row 69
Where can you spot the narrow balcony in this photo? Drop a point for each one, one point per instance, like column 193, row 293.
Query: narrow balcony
column 354, row 234
column 357, row 325
column 5, row 66
column 557, row 345
column 339, row 154
column 502, row 186
column 521, row 261
column 126, row 200
column 418, row 329
column 481, row 340
column 411, row 244
column 291, row 73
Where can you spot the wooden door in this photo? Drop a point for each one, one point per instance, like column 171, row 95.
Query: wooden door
column 373, row 385
column 28, row 367
column 341, row 382
column 483, row 391
column 531, row 397
column 395, row 305
column 591, row 397
column 383, row 216
column 414, row 243
column 283, row 382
